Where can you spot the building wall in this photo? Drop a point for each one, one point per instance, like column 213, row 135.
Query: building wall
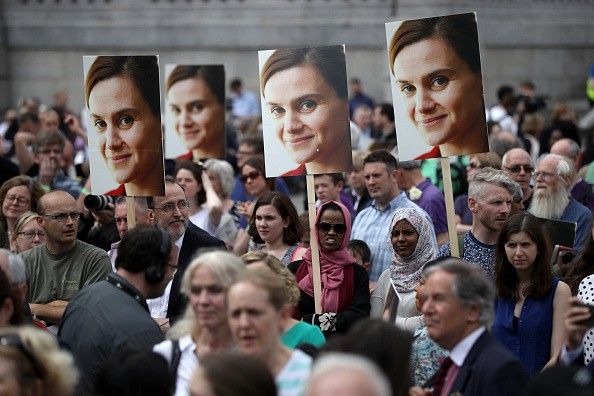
column 42, row 41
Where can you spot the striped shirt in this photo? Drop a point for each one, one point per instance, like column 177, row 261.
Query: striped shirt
column 372, row 225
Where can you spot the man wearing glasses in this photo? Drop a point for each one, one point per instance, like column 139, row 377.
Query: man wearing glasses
column 552, row 180
column 518, row 165
column 171, row 214
column 63, row 265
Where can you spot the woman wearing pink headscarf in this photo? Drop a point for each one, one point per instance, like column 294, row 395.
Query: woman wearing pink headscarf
column 345, row 284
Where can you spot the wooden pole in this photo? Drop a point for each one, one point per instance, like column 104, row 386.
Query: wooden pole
column 315, row 253
column 449, row 201
column 130, row 212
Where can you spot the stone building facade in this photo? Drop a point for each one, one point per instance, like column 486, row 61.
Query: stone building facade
column 42, row 42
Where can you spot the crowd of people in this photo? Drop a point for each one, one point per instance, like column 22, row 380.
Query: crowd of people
column 210, row 288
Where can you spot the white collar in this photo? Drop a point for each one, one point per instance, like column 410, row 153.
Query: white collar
column 460, row 351
column 179, row 241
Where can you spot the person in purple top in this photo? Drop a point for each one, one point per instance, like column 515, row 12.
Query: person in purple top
column 421, row 191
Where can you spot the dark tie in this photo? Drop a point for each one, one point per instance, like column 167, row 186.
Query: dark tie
column 441, row 375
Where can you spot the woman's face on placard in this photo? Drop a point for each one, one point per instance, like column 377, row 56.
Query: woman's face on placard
column 129, row 133
column 199, row 118
column 310, row 119
column 443, row 97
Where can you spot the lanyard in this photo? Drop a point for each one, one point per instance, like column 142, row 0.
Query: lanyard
column 128, row 290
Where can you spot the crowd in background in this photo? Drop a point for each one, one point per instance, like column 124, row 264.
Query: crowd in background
column 212, row 291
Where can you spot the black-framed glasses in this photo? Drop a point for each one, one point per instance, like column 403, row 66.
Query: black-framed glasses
column 252, row 175
column 517, row 168
column 338, row 228
column 15, row 341
column 31, row 234
column 170, row 207
column 63, row 216
column 474, row 165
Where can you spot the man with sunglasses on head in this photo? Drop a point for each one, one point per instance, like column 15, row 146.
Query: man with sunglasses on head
column 171, row 214
column 60, row 267
column 518, row 165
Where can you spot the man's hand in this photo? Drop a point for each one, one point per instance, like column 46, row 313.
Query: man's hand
column 574, row 322
column 418, row 391
column 105, row 216
column 48, row 169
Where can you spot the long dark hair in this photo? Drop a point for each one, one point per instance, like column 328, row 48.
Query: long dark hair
column 506, row 276
column 286, row 209
column 196, row 171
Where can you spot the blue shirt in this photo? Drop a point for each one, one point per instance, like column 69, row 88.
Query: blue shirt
column 372, row 226
column 474, row 252
column 529, row 336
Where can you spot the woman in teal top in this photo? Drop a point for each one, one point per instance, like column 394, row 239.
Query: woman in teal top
column 294, row 331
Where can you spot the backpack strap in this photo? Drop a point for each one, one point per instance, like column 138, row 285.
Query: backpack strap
column 461, row 244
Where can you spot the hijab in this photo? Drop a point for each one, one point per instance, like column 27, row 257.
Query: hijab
column 406, row 271
column 332, row 263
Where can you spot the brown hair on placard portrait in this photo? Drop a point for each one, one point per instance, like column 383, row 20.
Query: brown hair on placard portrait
column 437, row 88
column 305, row 111
column 195, row 111
column 125, row 135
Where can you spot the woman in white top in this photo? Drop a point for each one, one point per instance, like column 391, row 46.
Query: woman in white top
column 412, row 247
column 256, row 306
column 204, row 328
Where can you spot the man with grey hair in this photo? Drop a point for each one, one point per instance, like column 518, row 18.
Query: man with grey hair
column 421, row 191
column 458, row 310
column 582, row 191
column 346, row 375
column 553, row 178
column 490, row 196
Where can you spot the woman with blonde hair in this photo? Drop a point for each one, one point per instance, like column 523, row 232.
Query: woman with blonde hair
column 204, row 328
column 294, row 332
column 32, row 363
column 27, row 233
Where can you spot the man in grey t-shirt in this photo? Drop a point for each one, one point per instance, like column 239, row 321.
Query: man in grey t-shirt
column 63, row 265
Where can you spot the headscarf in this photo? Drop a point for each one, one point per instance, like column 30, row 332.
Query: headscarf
column 332, row 263
column 406, row 271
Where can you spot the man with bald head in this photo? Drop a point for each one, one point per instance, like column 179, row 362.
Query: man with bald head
column 582, row 191
column 518, row 165
column 553, row 178
column 63, row 265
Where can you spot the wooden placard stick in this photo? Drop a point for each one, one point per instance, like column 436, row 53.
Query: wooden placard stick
column 315, row 253
column 130, row 212
column 449, row 201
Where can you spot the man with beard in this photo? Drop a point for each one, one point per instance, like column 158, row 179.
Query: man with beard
column 553, row 178
column 171, row 214
column 490, row 196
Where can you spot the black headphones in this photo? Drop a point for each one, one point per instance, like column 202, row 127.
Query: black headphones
column 155, row 273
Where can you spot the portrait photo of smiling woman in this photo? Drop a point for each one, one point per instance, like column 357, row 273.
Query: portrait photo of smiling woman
column 305, row 111
column 437, row 88
column 195, row 110
column 125, row 135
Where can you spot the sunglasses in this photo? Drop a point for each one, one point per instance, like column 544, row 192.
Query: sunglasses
column 518, row 168
column 252, row 175
column 338, row 228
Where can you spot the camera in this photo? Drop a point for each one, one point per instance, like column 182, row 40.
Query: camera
column 98, row 202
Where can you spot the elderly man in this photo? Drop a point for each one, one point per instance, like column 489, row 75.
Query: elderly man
column 458, row 311
column 112, row 314
column 347, row 375
column 553, row 178
column 518, row 165
column 581, row 190
column 60, row 267
column 490, row 196
column 372, row 224
column 171, row 213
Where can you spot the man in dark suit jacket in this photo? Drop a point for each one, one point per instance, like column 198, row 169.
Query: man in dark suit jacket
column 171, row 213
column 457, row 310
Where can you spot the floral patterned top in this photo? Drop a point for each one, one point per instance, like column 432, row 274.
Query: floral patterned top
column 425, row 356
